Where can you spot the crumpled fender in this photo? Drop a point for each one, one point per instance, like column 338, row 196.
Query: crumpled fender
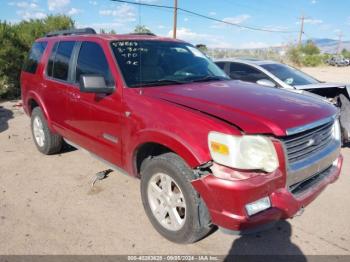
column 345, row 112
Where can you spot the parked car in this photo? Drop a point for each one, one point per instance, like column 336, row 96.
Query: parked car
column 273, row 74
column 208, row 151
column 338, row 61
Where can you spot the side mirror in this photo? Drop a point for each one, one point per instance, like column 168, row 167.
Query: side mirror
column 94, row 84
column 266, row 82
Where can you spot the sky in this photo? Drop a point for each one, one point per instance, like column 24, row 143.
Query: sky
column 324, row 18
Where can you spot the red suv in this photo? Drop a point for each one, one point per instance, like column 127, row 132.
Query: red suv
column 208, row 150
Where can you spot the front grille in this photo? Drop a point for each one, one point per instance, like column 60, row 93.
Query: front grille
column 301, row 187
column 304, row 144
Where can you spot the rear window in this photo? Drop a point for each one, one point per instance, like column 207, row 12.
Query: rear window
column 34, row 57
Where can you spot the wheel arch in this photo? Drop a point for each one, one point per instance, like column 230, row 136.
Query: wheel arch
column 155, row 143
column 34, row 100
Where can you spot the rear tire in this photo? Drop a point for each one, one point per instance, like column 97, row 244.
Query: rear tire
column 167, row 193
column 46, row 142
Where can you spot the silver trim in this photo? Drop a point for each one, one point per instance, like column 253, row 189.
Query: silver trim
column 314, row 164
column 299, row 129
column 110, row 138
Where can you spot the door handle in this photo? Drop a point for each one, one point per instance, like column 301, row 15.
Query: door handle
column 74, row 96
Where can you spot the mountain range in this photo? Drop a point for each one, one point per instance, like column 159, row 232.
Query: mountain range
column 330, row 46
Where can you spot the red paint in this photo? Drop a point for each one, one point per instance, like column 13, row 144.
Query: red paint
column 180, row 118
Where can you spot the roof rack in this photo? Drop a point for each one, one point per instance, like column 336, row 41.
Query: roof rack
column 150, row 34
column 81, row 31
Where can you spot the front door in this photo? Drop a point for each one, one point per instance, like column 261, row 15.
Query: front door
column 95, row 118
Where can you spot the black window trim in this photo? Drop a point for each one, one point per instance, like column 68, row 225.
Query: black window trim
column 70, row 64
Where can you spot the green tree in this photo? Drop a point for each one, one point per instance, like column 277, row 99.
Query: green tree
column 345, row 53
column 306, row 55
column 142, row 29
column 295, row 55
column 202, row 48
column 16, row 41
column 310, row 48
column 111, row 32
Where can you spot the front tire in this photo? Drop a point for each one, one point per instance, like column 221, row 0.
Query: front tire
column 46, row 142
column 173, row 206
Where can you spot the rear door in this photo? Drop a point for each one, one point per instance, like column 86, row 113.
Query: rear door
column 57, row 80
column 95, row 118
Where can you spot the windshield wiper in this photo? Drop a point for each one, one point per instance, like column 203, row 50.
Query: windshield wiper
column 210, row 78
column 159, row 82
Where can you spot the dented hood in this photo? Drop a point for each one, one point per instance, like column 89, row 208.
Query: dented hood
column 252, row 108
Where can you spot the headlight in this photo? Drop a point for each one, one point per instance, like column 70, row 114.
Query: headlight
column 243, row 152
column 336, row 130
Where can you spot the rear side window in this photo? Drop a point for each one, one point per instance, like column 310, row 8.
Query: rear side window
column 92, row 61
column 35, row 54
column 245, row 73
column 221, row 65
column 62, row 58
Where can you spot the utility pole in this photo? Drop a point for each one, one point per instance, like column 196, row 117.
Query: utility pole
column 339, row 42
column 302, row 18
column 175, row 19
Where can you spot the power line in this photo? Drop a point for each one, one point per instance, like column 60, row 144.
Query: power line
column 206, row 17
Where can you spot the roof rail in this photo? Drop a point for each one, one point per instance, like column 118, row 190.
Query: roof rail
column 80, row 31
column 150, row 34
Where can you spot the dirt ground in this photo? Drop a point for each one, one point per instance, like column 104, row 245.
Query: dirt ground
column 48, row 207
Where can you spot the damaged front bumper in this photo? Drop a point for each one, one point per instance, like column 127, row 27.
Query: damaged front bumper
column 227, row 199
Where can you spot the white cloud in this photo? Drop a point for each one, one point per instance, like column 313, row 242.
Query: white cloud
column 276, row 28
column 74, row 11
column 212, row 13
column 28, row 9
column 314, row 2
column 57, row 5
column 106, row 26
column 122, row 12
column 24, row 4
column 188, row 35
column 93, row 3
column 254, row 45
column 186, row 19
column 27, row 15
column 239, row 19
column 311, row 21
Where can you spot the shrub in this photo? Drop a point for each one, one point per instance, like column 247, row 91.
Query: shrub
column 312, row 60
column 15, row 42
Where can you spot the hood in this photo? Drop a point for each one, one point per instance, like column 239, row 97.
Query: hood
column 252, row 108
column 320, row 85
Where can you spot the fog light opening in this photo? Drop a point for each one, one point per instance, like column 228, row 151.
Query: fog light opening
column 258, row 206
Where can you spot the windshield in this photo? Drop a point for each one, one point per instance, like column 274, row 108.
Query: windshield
column 150, row 63
column 290, row 75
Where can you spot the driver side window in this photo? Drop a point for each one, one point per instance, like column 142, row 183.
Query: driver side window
column 92, row 61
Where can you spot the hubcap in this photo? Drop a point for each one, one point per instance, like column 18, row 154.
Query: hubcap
column 38, row 130
column 167, row 202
